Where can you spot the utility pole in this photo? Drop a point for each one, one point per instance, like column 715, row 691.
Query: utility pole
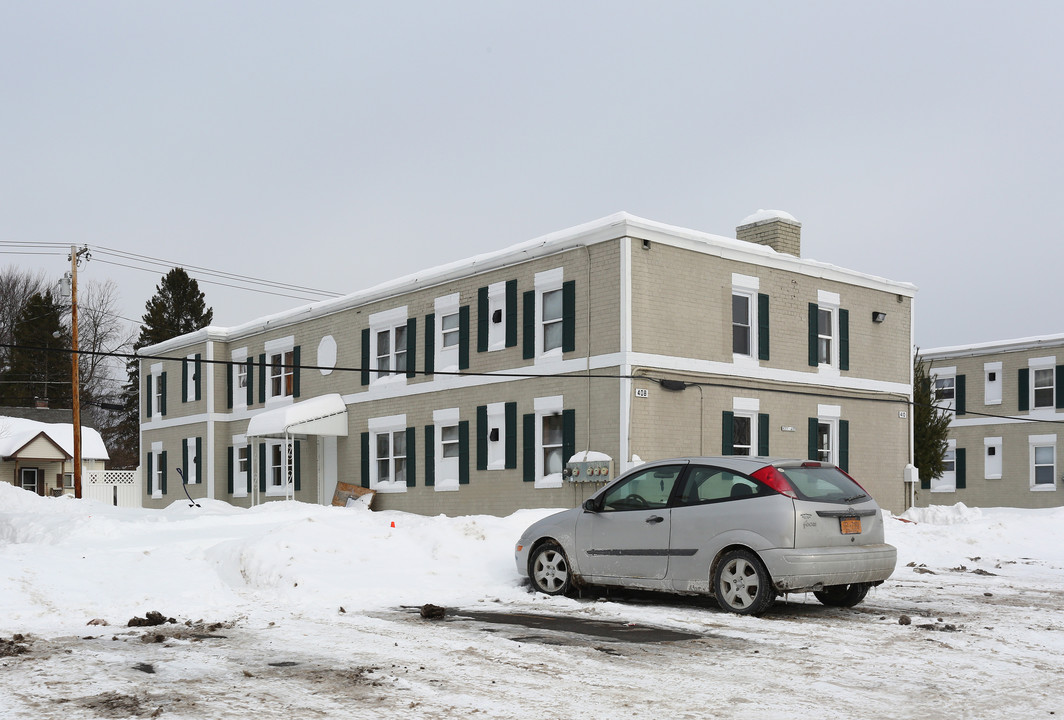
column 75, row 384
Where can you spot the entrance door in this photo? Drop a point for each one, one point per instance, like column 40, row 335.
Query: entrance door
column 28, row 478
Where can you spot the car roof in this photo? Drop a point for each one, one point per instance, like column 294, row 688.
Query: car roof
column 745, row 464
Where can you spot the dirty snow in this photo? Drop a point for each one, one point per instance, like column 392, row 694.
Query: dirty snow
column 291, row 610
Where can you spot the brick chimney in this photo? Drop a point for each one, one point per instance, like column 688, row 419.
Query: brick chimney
column 775, row 228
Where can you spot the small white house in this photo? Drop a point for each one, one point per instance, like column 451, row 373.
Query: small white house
column 39, row 457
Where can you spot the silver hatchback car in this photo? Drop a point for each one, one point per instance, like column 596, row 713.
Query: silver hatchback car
column 743, row 529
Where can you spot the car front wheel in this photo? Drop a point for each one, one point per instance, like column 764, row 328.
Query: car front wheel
column 742, row 584
column 842, row 595
column 549, row 570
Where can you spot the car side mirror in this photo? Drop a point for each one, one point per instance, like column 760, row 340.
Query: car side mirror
column 590, row 505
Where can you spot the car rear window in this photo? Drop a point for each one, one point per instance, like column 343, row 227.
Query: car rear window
column 823, row 484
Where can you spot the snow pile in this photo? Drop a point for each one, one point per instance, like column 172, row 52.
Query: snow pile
column 943, row 515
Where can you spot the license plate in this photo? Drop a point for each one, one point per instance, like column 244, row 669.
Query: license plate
column 850, row 525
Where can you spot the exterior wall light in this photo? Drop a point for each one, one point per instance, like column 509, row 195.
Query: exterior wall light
column 878, row 317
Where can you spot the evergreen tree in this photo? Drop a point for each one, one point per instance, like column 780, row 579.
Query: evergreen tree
column 177, row 308
column 38, row 366
column 930, row 424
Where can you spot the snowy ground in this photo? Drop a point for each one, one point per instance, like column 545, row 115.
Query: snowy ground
column 297, row 611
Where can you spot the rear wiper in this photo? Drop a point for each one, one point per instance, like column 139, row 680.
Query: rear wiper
column 855, row 497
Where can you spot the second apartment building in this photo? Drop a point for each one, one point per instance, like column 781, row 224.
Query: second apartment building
column 467, row 388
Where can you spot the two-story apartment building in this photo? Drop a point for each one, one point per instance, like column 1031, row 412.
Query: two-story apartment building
column 467, row 388
column 1007, row 398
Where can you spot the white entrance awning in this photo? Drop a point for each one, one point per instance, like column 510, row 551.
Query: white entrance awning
column 325, row 415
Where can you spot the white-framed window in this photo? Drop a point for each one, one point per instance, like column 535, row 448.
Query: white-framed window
column 448, row 331
column 947, row 481
column 388, row 453
column 744, row 316
column 1042, row 388
column 992, row 458
column 550, row 315
column 240, row 377
column 280, row 471
column 158, row 469
column 158, row 390
column 1043, row 461
column 388, row 345
column 827, row 330
column 193, row 461
column 241, row 465
column 496, row 316
column 448, row 450
column 496, row 436
column 192, row 378
column 28, row 479
column 280, row 369
column 992, row 383
column 68, row 480
column 945, row 380
column 744, row 425
column 550, row 433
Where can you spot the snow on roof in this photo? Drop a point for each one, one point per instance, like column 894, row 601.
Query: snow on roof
column 986, row 348
column 16, row 432
column 762, row 215
column 611, row 227
column 323, row 415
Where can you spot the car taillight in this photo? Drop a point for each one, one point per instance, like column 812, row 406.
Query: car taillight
column 775, row 480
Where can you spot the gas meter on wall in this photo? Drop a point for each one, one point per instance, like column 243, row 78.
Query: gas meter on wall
column 589, row 467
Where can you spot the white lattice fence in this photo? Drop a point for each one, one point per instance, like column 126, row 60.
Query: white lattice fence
column 114, row 487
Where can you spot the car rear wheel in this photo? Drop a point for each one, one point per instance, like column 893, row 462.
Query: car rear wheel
column 742, row 584
column 549, row 569
column 842, row 595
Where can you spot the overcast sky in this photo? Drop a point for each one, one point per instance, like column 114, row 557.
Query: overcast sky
column 335, row 145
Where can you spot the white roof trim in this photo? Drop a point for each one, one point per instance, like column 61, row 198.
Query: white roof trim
column 324, row 415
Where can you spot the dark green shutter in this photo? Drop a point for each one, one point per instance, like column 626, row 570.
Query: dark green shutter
column 148, row 395
column 568, row 435
column 365, row 356
column 1059, row 386
column 812, row 447
column 162, row 471
column 262, row 378
column 844, row 339
column 727, row 433
column 184, row 461
column 482, row 319
column 411, row 347
column 151, row 477
column 511, row 313
column 197, row 380
column 569, row 316
column 511, row 435
column 762, row 434
column 184, row 381
column 959, row 387
column 365, row 459
column 248, row 471
column 844, row 445
column 1025, row 389
column 230, row 471
column 162, row 393
column 814, row 319
column 529, row 459
column 430, row 344
column 762, row 326
column 482, row 437
column 529, row 322
column 430, row 455
column 296, row 465
column 463, row 337
column 199, row 460
column 262, row 467
column 249, row 363
column 961, row 467
column 229, row 385
column 295, row 371
column 463, row 452
column 411, row 457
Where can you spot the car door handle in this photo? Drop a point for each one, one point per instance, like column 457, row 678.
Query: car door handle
column 655, row 519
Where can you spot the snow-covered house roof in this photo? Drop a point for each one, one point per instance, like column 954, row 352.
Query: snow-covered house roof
column 605, row 229
column 995, row 346
column 16, row 433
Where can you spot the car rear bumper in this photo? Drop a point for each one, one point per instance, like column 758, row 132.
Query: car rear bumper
column 794, row 569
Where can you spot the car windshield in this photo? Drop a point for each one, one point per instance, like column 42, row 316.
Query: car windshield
column 823, row 484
